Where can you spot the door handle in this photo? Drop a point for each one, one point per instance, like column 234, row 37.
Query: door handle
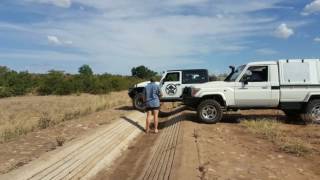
column 264, row 87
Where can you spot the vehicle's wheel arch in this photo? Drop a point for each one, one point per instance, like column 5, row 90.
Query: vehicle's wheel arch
column 218, row 97
column 311, row 97
column 136, row 91
column 139, row 89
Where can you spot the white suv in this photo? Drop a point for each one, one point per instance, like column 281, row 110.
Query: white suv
column 172, row 84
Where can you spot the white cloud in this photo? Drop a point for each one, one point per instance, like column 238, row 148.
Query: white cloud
column 283, row 31
column 313, row 7
column 59, row 3
column 266, row 51
column 55, row 40
column 160, row 34
column 316, row 39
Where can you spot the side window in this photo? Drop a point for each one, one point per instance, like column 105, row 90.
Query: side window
column 256, row 74
column 193, row 77
column 172, row 77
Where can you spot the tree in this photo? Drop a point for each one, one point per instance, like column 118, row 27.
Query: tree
column 85, row 70
column 4, row 70
column 52, row 83
column 142, row 72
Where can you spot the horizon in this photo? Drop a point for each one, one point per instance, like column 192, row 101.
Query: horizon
column 112, row 37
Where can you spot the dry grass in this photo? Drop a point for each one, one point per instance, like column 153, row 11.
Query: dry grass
column 285, row 140
column 20, row 115
column 60, row 140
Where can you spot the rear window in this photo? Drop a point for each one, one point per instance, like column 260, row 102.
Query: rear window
column 194, row 77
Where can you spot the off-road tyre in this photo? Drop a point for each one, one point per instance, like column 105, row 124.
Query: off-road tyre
column 209, row 111
column 138, row 103
column 311, row 113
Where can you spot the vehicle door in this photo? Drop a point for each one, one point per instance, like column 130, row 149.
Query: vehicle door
column 253, row 89
column 171, row 86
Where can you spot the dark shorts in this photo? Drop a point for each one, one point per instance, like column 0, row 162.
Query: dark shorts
column 152, row 108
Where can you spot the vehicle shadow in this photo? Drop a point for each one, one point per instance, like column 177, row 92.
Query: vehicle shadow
column 238, row 117
column 227, row 118
column 173, row 112
column 134, row 123
column 125, row 108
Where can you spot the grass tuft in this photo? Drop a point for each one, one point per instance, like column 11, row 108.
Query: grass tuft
column 60, row 140
column 267, row 128
column 44, row 121
column 295, row 146
column 270, row 130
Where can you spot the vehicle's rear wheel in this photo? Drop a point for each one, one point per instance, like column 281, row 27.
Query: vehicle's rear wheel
column 312, row 112
column 138, row 102
column 209, row 111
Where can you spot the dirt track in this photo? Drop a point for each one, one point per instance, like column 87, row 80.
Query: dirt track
column 187, row 149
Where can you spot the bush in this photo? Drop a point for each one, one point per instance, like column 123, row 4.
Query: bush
column 59, row 83
column 5, row 92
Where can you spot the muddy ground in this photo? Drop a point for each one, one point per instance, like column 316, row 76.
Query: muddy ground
column 187, row 149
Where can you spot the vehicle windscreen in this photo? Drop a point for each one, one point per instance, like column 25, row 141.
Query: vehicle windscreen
column 236, row 73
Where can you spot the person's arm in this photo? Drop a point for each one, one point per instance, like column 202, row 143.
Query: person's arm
column 144, row 95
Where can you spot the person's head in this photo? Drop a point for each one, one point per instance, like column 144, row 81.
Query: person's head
column 152, row 80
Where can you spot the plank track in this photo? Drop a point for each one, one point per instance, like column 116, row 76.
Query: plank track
column 162, row 159
column 80, row 160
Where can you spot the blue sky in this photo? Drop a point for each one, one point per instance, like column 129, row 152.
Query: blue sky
column 113, row 36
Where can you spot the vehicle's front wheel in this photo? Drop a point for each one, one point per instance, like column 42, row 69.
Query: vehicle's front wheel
column 312, row 112
column 209, row 111
column 138, row 102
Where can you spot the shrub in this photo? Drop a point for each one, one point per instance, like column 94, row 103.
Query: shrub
column 59, row 83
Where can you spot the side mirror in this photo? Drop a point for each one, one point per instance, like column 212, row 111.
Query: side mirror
column 247, row 76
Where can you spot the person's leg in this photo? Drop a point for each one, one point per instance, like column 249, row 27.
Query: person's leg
column 148, row 121
column 155, row 116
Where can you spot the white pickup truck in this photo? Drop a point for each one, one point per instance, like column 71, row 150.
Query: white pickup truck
column 290, row 85
column 171, row 84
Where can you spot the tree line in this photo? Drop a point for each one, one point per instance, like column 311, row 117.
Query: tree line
column 13, row 83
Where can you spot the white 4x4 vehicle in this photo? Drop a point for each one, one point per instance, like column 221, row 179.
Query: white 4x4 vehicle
column 171, row 84
column 290, row 85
